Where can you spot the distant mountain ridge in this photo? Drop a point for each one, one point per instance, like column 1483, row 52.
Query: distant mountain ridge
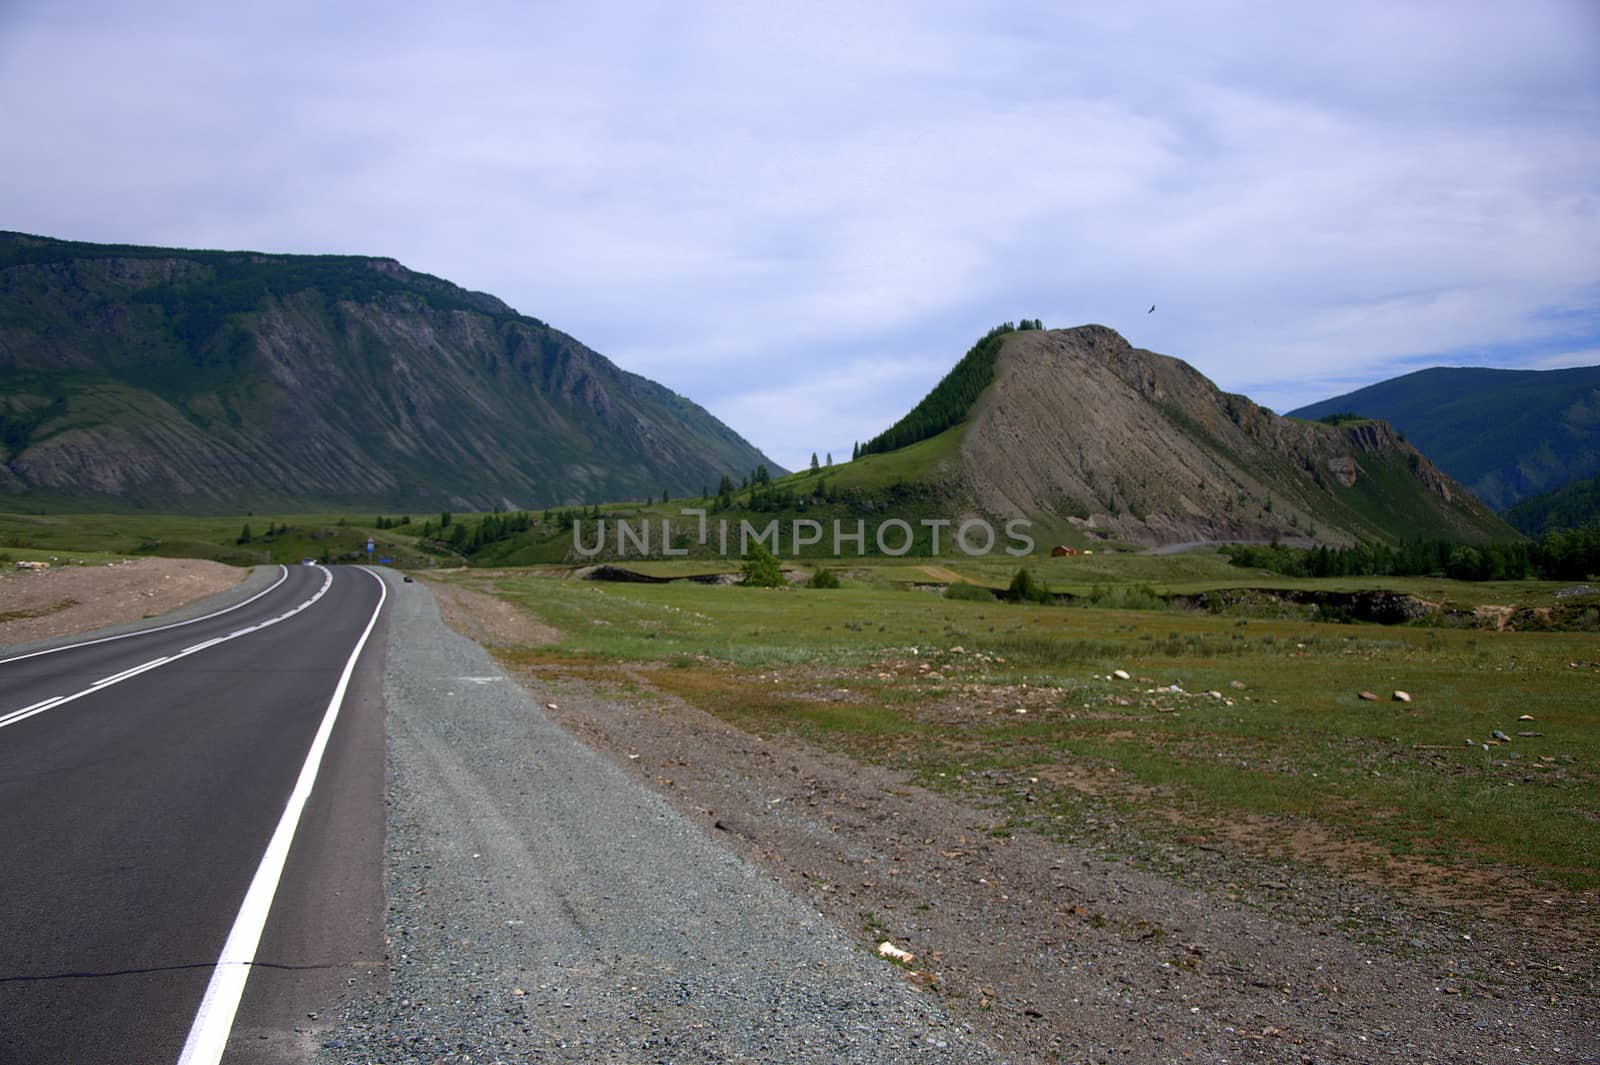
column 1083, row 431
column 1505, row 434
column 207, row 380
column 1574, row 505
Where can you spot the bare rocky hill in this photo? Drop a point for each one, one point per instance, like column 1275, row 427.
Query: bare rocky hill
column 1081, row 426
column 199, row 380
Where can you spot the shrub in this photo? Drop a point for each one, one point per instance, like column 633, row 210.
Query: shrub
column 761, row 569
column 823, row 578
column 966, row 591
column 1026, row 588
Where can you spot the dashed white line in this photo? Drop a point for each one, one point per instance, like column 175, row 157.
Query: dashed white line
column 135, row 671
column 282, row 576
column 101, row 685
column 29, row 711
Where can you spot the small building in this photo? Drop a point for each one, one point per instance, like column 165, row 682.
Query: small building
column 1062, row 549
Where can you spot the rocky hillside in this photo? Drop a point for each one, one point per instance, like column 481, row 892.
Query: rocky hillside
column 1082, row 429
column 1505, row 434
column 211, row 381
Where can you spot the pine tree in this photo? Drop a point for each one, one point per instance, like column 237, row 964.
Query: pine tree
column 244, row 534
column 830, row 459
column 814, row 464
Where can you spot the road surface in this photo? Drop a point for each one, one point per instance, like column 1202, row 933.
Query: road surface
column 142, row 779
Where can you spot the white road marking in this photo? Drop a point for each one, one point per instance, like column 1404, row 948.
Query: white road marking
column 283, row 576
column 101, row 685
column 135, row 671
column 208, row 1036
column 29, row 711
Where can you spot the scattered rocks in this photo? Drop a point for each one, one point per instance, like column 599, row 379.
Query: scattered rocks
column 1402, row 697
column 1121, row 674
column 1370, row 697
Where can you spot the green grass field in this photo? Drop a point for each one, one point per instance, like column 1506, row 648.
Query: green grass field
column 1017, row 706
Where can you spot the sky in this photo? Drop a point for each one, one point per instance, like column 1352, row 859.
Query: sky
column 801, row 215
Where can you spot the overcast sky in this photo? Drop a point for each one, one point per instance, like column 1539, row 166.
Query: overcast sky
column 800, row 215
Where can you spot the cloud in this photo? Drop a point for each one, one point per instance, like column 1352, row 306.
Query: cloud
column 801, row 216
column 1567, row 360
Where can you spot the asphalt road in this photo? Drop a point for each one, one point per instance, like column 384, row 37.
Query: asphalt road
column 135, row 814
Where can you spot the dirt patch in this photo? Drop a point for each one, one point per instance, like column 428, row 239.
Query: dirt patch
column 488, row 620
column 68, row 600
column 1058, row 952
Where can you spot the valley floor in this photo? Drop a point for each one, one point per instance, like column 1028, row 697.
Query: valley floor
column 1265, row 939
column 1125, row 948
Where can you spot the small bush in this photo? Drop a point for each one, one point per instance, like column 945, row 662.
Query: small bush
column 968, row 592
column 761, row 569
column 823, row 578
column 1026, row 588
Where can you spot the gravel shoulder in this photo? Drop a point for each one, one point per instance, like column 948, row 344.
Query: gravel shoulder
column 545, row 906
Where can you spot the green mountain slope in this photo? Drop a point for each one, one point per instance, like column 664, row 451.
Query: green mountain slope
column 952, row 398
column 208, row 381
column 1572, row 506
column 1505, row 434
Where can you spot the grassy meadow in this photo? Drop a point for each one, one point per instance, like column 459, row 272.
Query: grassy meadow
column 1246, row 729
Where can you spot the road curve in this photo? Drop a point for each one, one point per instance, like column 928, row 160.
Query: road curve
column 141, row 780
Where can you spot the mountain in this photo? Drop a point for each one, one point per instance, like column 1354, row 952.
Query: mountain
column 1505, row 434
column 1572, row 506
column 1083, row 432
column 212, row 381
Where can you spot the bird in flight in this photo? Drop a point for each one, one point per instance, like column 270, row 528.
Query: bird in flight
column 1152, row 309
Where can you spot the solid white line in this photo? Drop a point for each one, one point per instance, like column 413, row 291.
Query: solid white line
column 283, row 576
column 101, row 685
column 208, row 1036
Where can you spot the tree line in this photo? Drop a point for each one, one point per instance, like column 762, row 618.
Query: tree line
column 952, row 397
column 1566, row 555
